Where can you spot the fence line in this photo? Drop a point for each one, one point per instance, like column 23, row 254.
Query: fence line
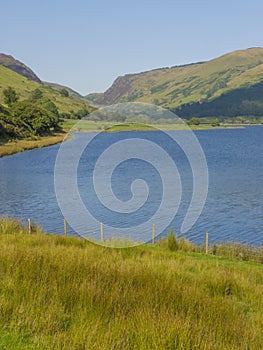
column 102, row 233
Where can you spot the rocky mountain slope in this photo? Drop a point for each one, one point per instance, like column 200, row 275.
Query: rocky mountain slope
column 197, row 85
column 18, row 67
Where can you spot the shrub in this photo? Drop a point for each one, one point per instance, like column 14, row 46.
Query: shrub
column 194, row 121
column 186, row 246
column 215, row 123
column 173, row 244
column 11, row 226
column 14, row 226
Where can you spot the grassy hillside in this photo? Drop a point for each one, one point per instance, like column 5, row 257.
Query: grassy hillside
column 24, row 88
column 59, row 87
column 202, row 82
column 66, row 293
column 93, row 97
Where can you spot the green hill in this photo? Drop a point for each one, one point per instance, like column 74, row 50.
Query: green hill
column 24, row 88
column 93, row 97
column 29, row 109
column 10, row 62
column 179, row 87
column 58, row 87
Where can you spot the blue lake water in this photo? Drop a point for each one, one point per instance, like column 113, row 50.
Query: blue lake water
column 233, row 210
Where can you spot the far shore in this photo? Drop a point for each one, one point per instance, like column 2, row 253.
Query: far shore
column 69, row 125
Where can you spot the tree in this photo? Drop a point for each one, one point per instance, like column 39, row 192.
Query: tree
column 37, row 94
column 81, row 113
column 32, row 119
column 52, row 112
column 48, row 106
column 215, row 122
column 10, row 96
column 2, row 121
column 194, row 121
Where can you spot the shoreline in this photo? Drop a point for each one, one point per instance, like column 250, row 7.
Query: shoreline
column 89, row 126
column 17, row 146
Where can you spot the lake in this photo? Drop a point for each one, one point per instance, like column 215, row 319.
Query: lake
column 233, row 210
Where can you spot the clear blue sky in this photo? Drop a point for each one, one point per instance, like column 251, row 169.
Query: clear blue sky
column 86, row 44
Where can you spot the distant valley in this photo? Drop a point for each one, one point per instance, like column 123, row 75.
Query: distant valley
column 225, row 87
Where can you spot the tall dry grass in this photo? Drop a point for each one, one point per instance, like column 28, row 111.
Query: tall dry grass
column 66, row 293
column 16, row 146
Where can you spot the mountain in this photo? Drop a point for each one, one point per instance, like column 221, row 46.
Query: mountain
column 10, row 62
column 24, row 87
column 18, row 67
column 228, row 86
column 235, row 79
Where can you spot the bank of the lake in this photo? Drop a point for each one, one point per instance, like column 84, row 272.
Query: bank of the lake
column 99, row 126
column 67, row 293
column 16, row 146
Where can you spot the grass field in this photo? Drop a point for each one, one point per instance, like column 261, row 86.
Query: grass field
column 66, row 293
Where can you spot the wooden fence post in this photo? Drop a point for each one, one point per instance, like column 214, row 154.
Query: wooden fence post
column 65, row 227
column 101, row 232
column 153, row 233
column 28, row 226
column 206, row 242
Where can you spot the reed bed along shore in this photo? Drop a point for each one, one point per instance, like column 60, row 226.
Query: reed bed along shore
column 67, row 293
column 16, row 146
